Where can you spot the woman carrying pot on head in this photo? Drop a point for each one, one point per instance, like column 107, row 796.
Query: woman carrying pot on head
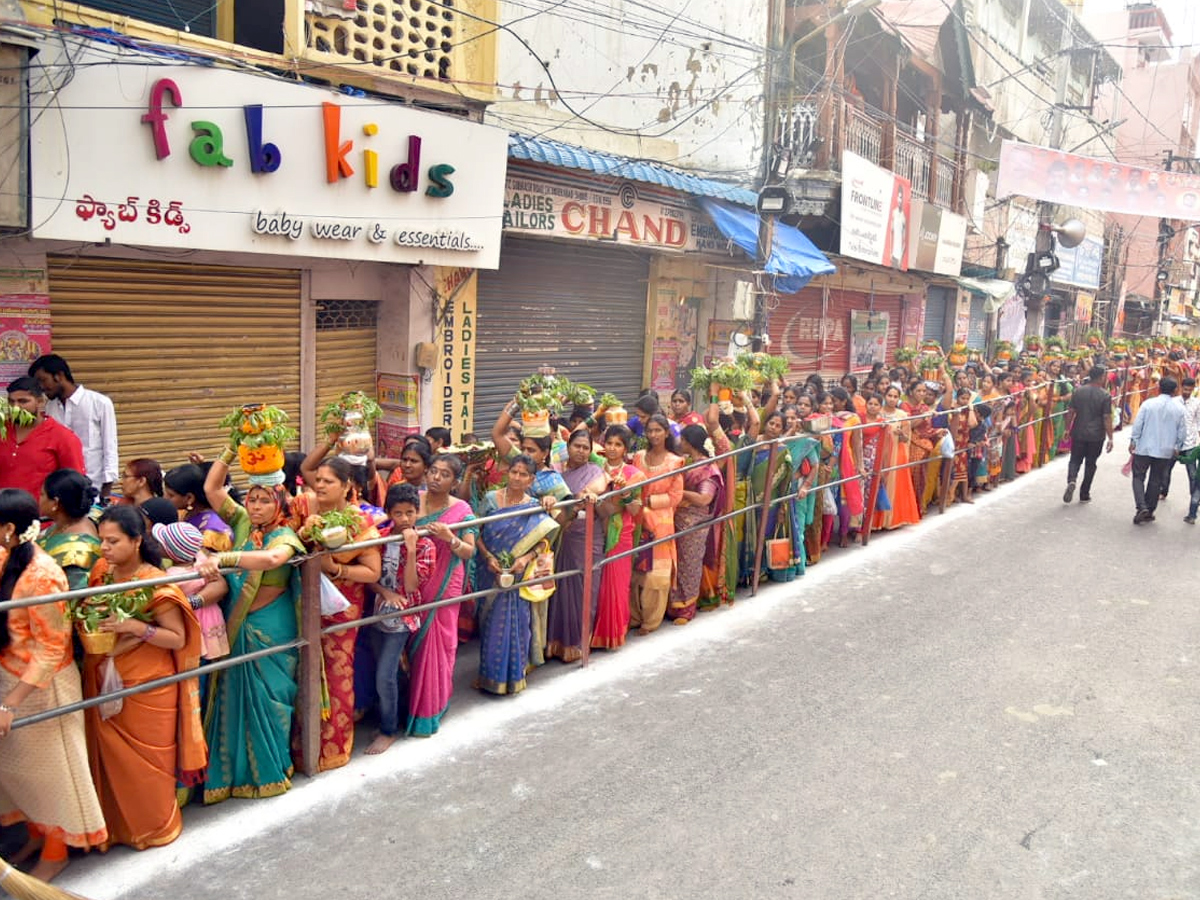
column 138, row 754
column 44, row 776
column 248, row 719
column 564, row 608
column 71, row 540
column 330, row 480
column 508, row 548
column 622, row 517
column 184, row 487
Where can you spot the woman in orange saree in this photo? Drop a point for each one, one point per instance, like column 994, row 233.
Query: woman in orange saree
column 156, row 739
column 350, row 571
column 898, row 481
column 655, row 575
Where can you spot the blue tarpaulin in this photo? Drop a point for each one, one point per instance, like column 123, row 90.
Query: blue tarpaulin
column 794, row 259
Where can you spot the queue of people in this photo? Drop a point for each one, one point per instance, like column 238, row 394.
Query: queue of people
column 848, row 458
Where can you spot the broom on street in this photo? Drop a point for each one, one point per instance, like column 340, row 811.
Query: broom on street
column 26, row 887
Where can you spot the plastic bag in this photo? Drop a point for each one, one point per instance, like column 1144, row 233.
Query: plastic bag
column 1127, row 469
column 946, row 446
column 333, row 601
column 110, row 683
column 541, row 566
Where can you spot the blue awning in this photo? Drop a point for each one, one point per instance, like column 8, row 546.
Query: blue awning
column 794, row 259
column 553, row 153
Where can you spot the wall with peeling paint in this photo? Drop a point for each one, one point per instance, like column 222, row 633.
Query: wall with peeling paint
column 679, row 81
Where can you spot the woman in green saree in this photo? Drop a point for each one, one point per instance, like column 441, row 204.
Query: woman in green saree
column 71, row 540
column 755, row 466
column 248, row 719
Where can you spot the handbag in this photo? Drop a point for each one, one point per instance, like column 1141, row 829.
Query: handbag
column 779, row 549
column 541, row 566
column 214, row 638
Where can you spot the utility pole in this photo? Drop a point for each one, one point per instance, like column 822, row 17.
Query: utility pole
column 1044, row 243
column 1162, row 288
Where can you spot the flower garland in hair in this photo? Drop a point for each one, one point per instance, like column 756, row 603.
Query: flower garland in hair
column 32, row 533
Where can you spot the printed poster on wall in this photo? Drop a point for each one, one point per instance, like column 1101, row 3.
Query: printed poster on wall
column 868, row 338
column 936, row 239
column 876, row 211
column 24, row 332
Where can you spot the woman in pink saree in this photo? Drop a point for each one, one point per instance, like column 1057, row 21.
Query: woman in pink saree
column 434, row 646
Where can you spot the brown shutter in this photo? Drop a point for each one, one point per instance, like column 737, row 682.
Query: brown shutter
column 177, row 346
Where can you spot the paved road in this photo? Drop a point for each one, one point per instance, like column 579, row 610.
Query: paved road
column 998, row 704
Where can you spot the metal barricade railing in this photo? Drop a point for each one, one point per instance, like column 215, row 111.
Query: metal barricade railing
column 311, row 628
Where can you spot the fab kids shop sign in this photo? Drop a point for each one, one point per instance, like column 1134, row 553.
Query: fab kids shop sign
column 187, row 157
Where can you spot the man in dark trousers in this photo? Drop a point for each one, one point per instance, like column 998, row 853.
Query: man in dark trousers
column 1089, row 421
column 1159, row 431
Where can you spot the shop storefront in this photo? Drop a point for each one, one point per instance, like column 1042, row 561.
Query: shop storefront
column 587, row 261
column 242, row 238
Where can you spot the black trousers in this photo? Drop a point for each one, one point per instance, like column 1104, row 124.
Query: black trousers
column 1085, row 453
column 1146, row 490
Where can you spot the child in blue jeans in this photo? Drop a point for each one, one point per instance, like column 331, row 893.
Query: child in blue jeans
column 407, row 566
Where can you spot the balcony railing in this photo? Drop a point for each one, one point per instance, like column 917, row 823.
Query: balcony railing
column 864, row 135
column 943, row 192
column 912, row 162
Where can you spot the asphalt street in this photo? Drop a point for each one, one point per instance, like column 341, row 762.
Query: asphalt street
column 999, row 703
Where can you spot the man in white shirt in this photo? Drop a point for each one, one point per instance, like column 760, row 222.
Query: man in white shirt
column 1191, row 421
column 87, row 413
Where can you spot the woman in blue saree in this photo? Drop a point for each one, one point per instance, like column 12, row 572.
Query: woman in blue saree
column 507, row 548
column 804, row 457
column 248, row 717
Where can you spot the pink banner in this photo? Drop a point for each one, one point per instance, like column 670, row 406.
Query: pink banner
column 1067, row 178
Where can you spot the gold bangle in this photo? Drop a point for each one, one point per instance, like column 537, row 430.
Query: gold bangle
column 228, row 455
column 228, row 559
column 341, row 572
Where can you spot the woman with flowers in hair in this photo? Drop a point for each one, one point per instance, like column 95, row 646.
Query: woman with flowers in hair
column 703, row 497
column 248, row 720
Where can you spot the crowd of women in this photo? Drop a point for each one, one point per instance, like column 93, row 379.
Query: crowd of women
column 676, row 530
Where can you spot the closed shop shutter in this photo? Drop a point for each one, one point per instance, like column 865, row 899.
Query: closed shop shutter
column 937, row 302
column 813, row 342
column 977, row 327
column 581, row 309
column 345, row 348
column 177, row 346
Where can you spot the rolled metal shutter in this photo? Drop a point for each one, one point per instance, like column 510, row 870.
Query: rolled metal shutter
column 818, row 343
column 345, row 348
column 936, row 303
column 581, row 309
column 977, row 327
column 195, row 16
column 177, row 346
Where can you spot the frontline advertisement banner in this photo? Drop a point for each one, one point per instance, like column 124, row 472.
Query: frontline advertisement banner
column 876, row 212
column 1068, row 178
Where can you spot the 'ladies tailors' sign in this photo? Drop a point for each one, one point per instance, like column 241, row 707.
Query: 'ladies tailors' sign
column 255, row 164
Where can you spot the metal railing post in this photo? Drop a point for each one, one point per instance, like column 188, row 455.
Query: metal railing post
column 764, row 513
column 1047, row 427
column 946, row 475
column 589, row 560
column 308, row 705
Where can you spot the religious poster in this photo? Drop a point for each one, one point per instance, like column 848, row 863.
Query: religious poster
column 24, row 332
column 868, row 338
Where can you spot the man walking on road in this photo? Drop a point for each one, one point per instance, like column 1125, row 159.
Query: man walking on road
column 1158, row 433
column 1191, row 443
column 1089, row 421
